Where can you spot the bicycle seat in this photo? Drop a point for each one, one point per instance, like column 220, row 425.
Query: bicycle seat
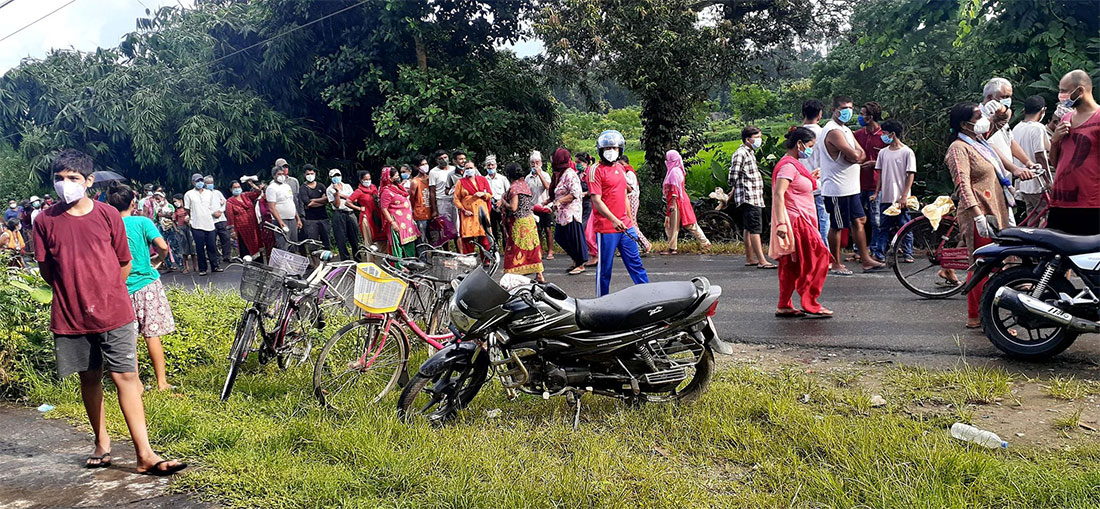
column 295, row 284
column 636, row 306
column 1054, row 240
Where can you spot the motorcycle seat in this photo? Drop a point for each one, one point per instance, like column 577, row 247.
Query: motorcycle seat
column 1063, row 243
column 636, row 306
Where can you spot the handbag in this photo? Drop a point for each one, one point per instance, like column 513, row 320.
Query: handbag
column 441, row 230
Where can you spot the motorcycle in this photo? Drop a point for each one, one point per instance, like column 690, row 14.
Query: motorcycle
column 1030, row 309
column 653, row 342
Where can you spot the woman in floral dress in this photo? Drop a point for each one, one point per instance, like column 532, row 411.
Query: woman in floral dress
column 523, row 253
column 397, row 212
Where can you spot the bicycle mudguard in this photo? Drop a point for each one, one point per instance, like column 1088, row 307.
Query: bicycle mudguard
column 454, row 356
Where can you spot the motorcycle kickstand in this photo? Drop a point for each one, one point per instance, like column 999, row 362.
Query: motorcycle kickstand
column 574, row 400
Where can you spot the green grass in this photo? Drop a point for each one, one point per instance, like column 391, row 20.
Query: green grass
column 1070, row 388
column 962, row 385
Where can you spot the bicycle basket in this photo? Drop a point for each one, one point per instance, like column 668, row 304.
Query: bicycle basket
column 957, row 258
column 289, row 262
column 375, row 290
column 447, row 266
column 261, row 284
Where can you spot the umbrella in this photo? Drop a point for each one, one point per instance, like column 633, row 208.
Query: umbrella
column 104, row 177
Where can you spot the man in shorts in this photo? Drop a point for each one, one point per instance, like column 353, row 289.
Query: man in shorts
column 83, row 254
column 747, row 188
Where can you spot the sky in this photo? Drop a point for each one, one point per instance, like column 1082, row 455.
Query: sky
column 90, row 24
column 84, row 25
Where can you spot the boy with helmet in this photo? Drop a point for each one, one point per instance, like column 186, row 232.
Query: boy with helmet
column 614, row 229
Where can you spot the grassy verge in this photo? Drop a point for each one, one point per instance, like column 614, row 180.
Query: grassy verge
column 758, row 438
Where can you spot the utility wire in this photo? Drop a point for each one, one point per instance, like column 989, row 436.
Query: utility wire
column 5, row 3
column 28, row 25
column 212, row 62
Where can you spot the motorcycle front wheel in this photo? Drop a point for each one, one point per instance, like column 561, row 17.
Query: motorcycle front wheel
column 437, row 399
column 1023, row 335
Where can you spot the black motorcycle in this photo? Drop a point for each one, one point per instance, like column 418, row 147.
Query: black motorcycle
column 1029, row 308
column 648, row 343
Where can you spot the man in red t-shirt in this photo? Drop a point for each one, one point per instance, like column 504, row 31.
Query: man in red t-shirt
column 82, row 252
column 614, row 229
column 869, row 136
column 1075, row 148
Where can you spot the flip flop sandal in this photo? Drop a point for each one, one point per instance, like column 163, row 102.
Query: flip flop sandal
column 877, row 268
column 947, row 283
column 841, row 272
column 768, row 266
column 816, row 316
column 908, row 260
column 104, row 461
column 161, row 472
column 789, row 313
column 974, row 326
column 577, row 270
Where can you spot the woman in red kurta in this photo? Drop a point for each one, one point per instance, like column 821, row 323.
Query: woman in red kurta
column 795, row 240
column 366, row 197
column 240, row 211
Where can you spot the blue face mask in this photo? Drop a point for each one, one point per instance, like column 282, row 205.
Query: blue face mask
column 405, row 176
column 861, row 121
column 806, row 154
column 236, row 191
column 199, row 185
column 210, row 187
column 336, row 179
column 886, row 139
column 1007, row 101
column 845, row 115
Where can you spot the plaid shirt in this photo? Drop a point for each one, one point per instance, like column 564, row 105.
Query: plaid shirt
column 744, row 178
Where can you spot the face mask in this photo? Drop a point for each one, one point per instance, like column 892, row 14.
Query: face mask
column 337, row 179
column 210, row 187
column 491, row 171
column 148, row 193
column 11, row 205
column 886, row 139
column 178, row 203
column 198, row 185
column 1007, row 101
column 861, row 121
column 757, row 142
column 366, row 183
column 981, row 126
column 281, row 179
column 469, row 172
column 236, row 191
column 845, row 115
column 36, row 204
column 611, row 155
column 71, row 192
column 807, row 153
column 405, row 176
column 423, row 168
column 311, row 178
column 1067, row 100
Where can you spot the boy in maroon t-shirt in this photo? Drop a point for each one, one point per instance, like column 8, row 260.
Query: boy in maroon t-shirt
column 611, row 216
column 83, row 254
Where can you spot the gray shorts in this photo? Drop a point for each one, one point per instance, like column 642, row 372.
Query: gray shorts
column 115, row 350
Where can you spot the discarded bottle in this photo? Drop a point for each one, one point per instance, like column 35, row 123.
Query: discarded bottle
column 968, row 433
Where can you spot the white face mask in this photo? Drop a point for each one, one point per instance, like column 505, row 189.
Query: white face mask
column 70, row 192
column 611, row 155
column 281, row 179
column 311, row 178
column 981, row 126
column 423, row 168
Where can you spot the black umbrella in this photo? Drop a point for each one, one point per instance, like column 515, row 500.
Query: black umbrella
column 104, row 177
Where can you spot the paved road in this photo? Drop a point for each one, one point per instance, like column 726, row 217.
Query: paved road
column 873, row 311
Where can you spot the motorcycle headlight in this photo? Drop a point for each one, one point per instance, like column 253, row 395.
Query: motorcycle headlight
column 461, row 320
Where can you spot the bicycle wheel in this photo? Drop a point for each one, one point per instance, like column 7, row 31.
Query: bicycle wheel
column 438, row 321
column 924, row 276
column 297, row 340
column 243, row 342
column 360, row 363
column 338, row 294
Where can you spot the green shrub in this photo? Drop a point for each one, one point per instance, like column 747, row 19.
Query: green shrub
column 26, row 345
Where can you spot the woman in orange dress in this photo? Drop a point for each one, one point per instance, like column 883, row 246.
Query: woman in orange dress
column 472, row 195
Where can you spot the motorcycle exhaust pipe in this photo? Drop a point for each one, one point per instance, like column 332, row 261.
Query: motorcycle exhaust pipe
column 1017, row 302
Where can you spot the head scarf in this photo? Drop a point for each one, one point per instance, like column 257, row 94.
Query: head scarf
column 674, row 164
column 561, row 160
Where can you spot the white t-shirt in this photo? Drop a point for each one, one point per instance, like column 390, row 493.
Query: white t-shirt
column 498, row 184
column 219, row 205
column 1002, row 141
column 838, row 176
column 282, row 196
column 811, row 162
column 345, row 192
column 538, row 191
column 200, row 206
column 1032, row 137
column 439, row 179
column 895, row 166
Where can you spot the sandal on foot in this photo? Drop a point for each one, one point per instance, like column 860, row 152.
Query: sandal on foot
column 841, row 272
column 101, row 461
column 161, row 472
column 823, row 313
column 577, row 270
column 974, row 325
column 767, row 266
column 875, row 268
column 788, row 313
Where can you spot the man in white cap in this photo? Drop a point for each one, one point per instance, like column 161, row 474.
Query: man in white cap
column 345, row 228
column 292, row 182
column 284, row 208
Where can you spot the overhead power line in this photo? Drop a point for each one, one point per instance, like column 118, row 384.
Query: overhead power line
column 28, row 25
column 5, row 3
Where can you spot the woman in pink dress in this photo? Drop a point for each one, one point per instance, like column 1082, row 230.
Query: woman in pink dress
column 397, row 212
column 678, row 211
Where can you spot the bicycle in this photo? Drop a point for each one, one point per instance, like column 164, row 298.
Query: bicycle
column 371, row 354
column 285, row 307
column 937, row 248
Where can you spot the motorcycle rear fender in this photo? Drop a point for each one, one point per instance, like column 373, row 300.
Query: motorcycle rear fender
column 992, row 256
column 456, row 355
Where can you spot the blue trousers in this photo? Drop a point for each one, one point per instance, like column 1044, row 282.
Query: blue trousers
column 607, row 243
column 888, row 227
column 822, row 218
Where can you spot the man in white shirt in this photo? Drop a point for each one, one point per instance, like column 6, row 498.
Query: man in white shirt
column 282, row 204
column 221, row 224
column 201, row 205
column 811, row 115
column 293, row 182
column 345, row 228
column 897, row 167
column 539, row 182
column 1032, row 136
column 498, row 184
column 839, row 162
column 997, row 107
column 440, row 189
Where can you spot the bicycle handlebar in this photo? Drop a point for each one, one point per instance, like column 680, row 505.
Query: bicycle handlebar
column 275, row 228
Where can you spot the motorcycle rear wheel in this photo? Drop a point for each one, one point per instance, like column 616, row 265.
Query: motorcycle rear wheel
column 695, row 386
column 1005, row 328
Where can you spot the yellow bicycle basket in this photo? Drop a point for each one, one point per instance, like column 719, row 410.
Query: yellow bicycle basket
column 375, row 290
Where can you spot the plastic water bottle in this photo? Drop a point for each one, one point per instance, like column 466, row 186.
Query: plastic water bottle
column 968, row 433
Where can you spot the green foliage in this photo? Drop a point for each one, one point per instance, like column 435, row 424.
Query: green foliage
column 17, row 179
column 26, row 345
column 580, row 130
column 752, row 102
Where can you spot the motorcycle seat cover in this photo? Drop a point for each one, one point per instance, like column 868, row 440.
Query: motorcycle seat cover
column 1054, row 240
column 636, row 306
